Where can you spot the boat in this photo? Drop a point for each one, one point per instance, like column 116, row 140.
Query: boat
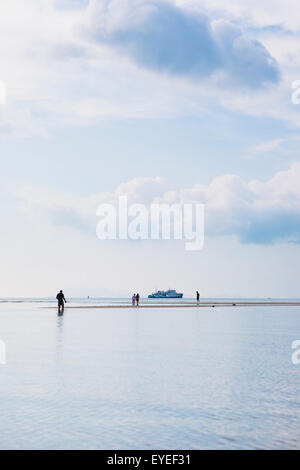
column 166, row 294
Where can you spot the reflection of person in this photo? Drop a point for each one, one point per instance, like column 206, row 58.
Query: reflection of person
column 198, row 297
column 61, row 301
column 137, row 298
column 133, row 300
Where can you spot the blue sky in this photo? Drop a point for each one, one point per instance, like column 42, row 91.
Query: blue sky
column 106, row 96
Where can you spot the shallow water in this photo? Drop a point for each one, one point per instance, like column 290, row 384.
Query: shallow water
column 150, row 379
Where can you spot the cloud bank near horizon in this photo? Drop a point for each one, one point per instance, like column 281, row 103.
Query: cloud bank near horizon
column 255, row 212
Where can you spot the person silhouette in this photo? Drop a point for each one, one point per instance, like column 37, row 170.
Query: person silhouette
column 61, row 301
column 198, row 297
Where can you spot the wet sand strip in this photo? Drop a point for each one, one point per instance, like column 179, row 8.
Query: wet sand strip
column 185, row 305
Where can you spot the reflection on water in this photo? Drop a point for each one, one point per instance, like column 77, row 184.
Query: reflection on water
column 133, row 379
column 59, row 336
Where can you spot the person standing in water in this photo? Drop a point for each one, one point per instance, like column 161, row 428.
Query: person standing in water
column 198, row 297
column 61, row 301
column 137, row 298
column 133, row 300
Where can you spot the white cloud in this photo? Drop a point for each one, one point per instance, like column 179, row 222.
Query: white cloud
column 255, row 13
column 267, row 146
column 142, row 189
column 56, row 76
column 160, row 36
column 255, row 211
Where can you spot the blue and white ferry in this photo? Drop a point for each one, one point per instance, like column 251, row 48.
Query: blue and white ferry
column 166, row 294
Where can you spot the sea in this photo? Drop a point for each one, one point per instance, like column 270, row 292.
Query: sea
column 171, row 378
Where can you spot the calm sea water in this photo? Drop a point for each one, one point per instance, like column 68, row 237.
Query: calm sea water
column 149, row 379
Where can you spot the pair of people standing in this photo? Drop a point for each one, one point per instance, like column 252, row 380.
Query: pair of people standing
column 135, row 300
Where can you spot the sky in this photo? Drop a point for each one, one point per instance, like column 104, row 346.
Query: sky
column 175, row 101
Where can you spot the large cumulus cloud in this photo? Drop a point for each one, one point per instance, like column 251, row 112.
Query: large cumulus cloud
column 160, row 36
column 254, row 212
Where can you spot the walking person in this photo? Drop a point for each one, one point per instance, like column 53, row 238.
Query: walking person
column 61, row 302
column 198, row 297
column 133, row 300
column 137, row 299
